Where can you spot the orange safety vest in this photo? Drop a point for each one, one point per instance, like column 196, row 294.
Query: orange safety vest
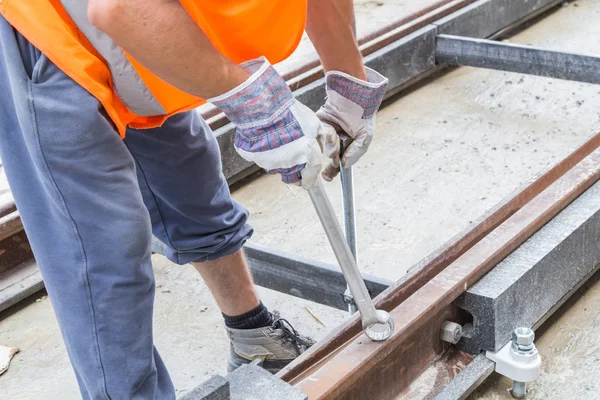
column 240, row 29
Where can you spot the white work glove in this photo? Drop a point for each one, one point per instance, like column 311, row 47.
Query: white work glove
column 274, row 131
column 351, row 106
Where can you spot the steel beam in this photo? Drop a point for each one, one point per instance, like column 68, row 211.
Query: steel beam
column 481, row 53
column 306, row 279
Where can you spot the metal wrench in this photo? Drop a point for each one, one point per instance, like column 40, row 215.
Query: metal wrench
column 347, row 181
column 378, row 325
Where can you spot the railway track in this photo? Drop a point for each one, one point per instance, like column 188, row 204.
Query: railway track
column 346, row 365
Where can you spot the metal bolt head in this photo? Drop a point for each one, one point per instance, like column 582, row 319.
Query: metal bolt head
column 450, row 332
column 522, row 339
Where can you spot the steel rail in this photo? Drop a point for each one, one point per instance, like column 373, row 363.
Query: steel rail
column 359, row 368
column 441, row 258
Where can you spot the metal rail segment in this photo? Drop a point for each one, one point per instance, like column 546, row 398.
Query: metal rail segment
column 489, row 54
column 307, row 279
column 436, row 262
column 360, row 368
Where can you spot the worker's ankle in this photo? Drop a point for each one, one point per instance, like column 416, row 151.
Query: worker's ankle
column 256, row 318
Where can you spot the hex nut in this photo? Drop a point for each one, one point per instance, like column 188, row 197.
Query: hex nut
column 522, row 339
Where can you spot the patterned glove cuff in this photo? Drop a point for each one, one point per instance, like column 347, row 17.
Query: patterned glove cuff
column 367, row 94
column 264, row 95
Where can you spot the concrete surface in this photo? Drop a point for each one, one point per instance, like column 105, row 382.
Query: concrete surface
column 468, row 379
column 443, row 155
column 216, row 388
column 250, row 382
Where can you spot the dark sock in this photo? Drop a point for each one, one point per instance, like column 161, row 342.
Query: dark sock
column 256, row 318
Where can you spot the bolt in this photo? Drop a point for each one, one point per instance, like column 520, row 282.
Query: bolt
column 352, row 308
column 349, row 300
column 451, row 332
column 522, row 340
column 522, row 343
column 519, row 390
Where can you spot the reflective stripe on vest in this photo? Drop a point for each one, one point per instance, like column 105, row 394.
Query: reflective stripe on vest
column 128, row 84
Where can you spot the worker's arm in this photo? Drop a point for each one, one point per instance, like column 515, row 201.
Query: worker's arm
column 331, row 27
column 273, row 129
column 354, row 92
column 162, row 36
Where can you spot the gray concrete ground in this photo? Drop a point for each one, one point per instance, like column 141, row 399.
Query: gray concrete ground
column 444, row 154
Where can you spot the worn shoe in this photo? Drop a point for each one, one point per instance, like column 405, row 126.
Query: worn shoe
column 272, row 347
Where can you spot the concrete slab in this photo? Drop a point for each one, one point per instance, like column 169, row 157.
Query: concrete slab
column 570, row 347
column 216, row 388
column 524, row 287
column 250, row 382
column 468, row 379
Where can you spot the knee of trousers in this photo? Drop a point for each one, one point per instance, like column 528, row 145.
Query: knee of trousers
column 128, row 238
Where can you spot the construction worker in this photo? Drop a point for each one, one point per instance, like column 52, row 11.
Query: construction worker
column 101, row 150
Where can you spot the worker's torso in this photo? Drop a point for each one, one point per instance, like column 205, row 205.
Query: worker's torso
column 131, row 95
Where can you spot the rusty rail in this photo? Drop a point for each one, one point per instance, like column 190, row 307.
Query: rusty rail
column 348, row 365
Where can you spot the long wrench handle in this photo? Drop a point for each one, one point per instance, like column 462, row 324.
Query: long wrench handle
column 347, row 182
column 369, row 315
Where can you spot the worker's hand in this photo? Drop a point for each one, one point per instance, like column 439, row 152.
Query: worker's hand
column 351, row 106
column 273, row 129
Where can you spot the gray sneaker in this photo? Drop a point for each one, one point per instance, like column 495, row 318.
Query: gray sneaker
column 272, row 347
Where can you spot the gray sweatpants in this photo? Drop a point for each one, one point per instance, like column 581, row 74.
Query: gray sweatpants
column 90, row 203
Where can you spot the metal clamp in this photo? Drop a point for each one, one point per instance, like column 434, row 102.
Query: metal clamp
column 518, row 360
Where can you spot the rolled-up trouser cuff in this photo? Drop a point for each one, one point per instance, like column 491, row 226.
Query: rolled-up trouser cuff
column 179, row 172
column 201, row 255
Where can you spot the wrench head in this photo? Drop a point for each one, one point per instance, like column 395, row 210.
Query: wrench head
column 381, row 329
